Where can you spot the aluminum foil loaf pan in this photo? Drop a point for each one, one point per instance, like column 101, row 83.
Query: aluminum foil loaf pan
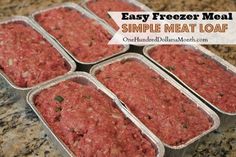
column 28, row 22
column 88, row 15
column 212, row 116
column 209, row 56
column 86, row 79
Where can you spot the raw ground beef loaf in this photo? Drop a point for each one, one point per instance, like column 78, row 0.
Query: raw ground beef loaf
column 83, row 37
column 102, row 7
column 26, row 57
column 89, row 123
column 202, row 74
column 167, row 112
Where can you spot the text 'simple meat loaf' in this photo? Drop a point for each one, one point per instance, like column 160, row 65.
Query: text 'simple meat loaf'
column 89, row 122
column 202, row 74
column 85, row 38
column 102, row 7
column 173, row 117
column 26, row 57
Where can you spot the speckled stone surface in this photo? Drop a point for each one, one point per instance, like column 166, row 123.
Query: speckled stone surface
column 21, row 133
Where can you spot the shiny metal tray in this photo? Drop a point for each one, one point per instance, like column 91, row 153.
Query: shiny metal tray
column 227, row 66
column 29, row 23
column 88, row 15
column 214, row 117
column 86, row 78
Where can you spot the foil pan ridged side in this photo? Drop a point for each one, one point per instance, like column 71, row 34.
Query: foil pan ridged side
column 226, row 65
column 86, row 78
column 214, row 117
column 88, row 15
column 31, row 24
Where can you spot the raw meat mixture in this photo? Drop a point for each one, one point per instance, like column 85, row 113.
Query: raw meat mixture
column 167, row 112
column 85, row 38
column 89, row 123
column 26, row 57
column 202, row 74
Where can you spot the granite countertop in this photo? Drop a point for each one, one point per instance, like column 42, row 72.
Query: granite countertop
column 21, row 133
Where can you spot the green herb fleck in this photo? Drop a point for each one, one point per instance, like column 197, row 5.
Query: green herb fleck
column 200, row 62
column 58, row 109
column 108, row 77
column 185, row 125
column 72, row 130
column 182, row 109
column 60, row 36
column 57, row 118
column 90, row 43
column 221, row 94
column 170, row 68
column 98, row 72
column 149, row 117
column 59, row 99
column 87, row 97
column 154, row 77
